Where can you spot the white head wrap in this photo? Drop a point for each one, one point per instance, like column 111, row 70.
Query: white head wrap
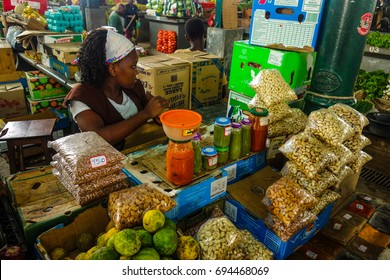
column 117, row 47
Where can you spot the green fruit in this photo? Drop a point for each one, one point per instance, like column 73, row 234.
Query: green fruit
column 49, row 86
column 188, row 248
column 100, row 241
column 138, row 228
column 166, row 258
column 85, row 241
column 110, row 233
column 43, row 80
column 81, row 256
column 127, row 242
column 110, row 242
column 105, row 253
column 169, row 224
column 45, row 104
column 58, row 254
column 146, row 238
column 146, row 254
column 125, row 258
column 165, row 241
column 153, row 220
column 37, row 83
column 89, row 254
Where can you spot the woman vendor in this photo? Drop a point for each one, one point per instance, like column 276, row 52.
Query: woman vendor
column 110, row 100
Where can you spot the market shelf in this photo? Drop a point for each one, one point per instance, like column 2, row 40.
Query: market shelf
column 50, row 72
column 377, row 52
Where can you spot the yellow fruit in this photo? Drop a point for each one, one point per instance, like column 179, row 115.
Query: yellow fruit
column 100, row 240
column 58, row 254
column 188, row 248
column 89, row 254
column 110, row 225
column 81, row 256
column 153, row 220
column 110, row 233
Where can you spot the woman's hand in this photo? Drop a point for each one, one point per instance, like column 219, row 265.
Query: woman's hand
column 156, row 106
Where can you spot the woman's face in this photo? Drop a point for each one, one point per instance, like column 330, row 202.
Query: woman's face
column 126, row 70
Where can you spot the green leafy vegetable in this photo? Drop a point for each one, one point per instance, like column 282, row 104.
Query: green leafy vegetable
column 372, row 83
column 380, row 40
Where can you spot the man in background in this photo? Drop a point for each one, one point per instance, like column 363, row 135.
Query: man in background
column 117, row 20
column 131, row 17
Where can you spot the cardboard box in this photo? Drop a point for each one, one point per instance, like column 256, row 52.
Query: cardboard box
column 7, row 63
column 295, row 67
column 45, row 104
column 42, row 86
column 93, row 221
column 206, row 77
column 41, row 202
column 288, row 22
column 66, row 52
column 68, row 70
column 12, row 100
column 246, row 166
column 243, row 206
column 167, row 77
column 58, row 39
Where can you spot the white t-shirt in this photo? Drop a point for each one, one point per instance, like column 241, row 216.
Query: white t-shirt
column 127, row 109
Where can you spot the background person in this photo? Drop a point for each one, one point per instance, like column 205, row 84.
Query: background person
column 117, row 19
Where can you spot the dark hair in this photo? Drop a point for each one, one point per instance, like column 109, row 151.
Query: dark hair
column 194, row 28
column 92, row 59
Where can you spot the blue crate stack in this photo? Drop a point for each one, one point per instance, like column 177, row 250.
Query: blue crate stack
column 65, row 18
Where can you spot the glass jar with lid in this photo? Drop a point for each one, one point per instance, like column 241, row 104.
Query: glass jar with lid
column 235, row 141
column 197, row 153
column 222, row 132
column 246, row 136
column 259, row 131
column 210, row 158
column 180, row 162
column 223, row 154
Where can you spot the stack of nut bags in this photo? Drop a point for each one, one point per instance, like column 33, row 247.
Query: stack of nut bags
column 273, row 93
column 88, row 166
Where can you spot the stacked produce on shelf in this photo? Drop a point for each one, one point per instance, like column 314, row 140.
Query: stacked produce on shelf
column 88, row 174
column 176, row 8
column 373, row 84
column 65, row 17
column 273, row 93
column 166, row 41
column 30, row 13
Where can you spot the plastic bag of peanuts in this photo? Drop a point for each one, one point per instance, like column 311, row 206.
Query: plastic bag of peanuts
column 328, row 127
column 86, row 152
column 344, row 156
column 276, row 112
column 361, row 160
column 315, row 186
column 253, row 249
column 291, row 125
column 354, row 118
column 287, row 200
column 356, row 143
column 219, row 239
column 308, row 153
column 271, row 88
column 126, row 208
column 326, row 198
column 345, row 172
column 286, row 232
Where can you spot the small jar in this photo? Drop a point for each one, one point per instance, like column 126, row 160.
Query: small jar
column 180, row 162
column 223, row 154
column 235, row 141
column 246, row 136
column 210, row 158
column 222, row 132
column 259, row 129
column 197, row 153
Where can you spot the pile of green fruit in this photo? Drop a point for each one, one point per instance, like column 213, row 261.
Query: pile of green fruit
column 156, row 239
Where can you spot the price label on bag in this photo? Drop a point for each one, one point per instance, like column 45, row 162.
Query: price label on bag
column 98, row 161
column 359, row 206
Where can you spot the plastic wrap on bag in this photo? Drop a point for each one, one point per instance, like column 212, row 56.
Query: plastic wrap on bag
column 215, row 213
column 381, row 222
column 292, row 125
column 374, row 236
column 286, row 232
column 345, row 172
column 271, row 88
column 60, row 164
column 219, row 239
column 287, row 200
column 126, row 208
column 356, row 143
column 328, row 127
column 361, row 208
column 253, row 249
column 308, row 153
column 314, row 186
column 354, row 118
column 337, row 229
column 364, row 249
column 361, row 160
column 91, row 186
column 326, row 198
column 352, row 219
column 86, row 152
column 344, row 156
column 276, row 112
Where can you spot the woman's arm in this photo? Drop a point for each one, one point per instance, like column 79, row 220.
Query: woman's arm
column 90, row 121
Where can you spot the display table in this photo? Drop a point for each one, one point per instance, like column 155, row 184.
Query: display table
column 157, row 23
column 50, row 72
